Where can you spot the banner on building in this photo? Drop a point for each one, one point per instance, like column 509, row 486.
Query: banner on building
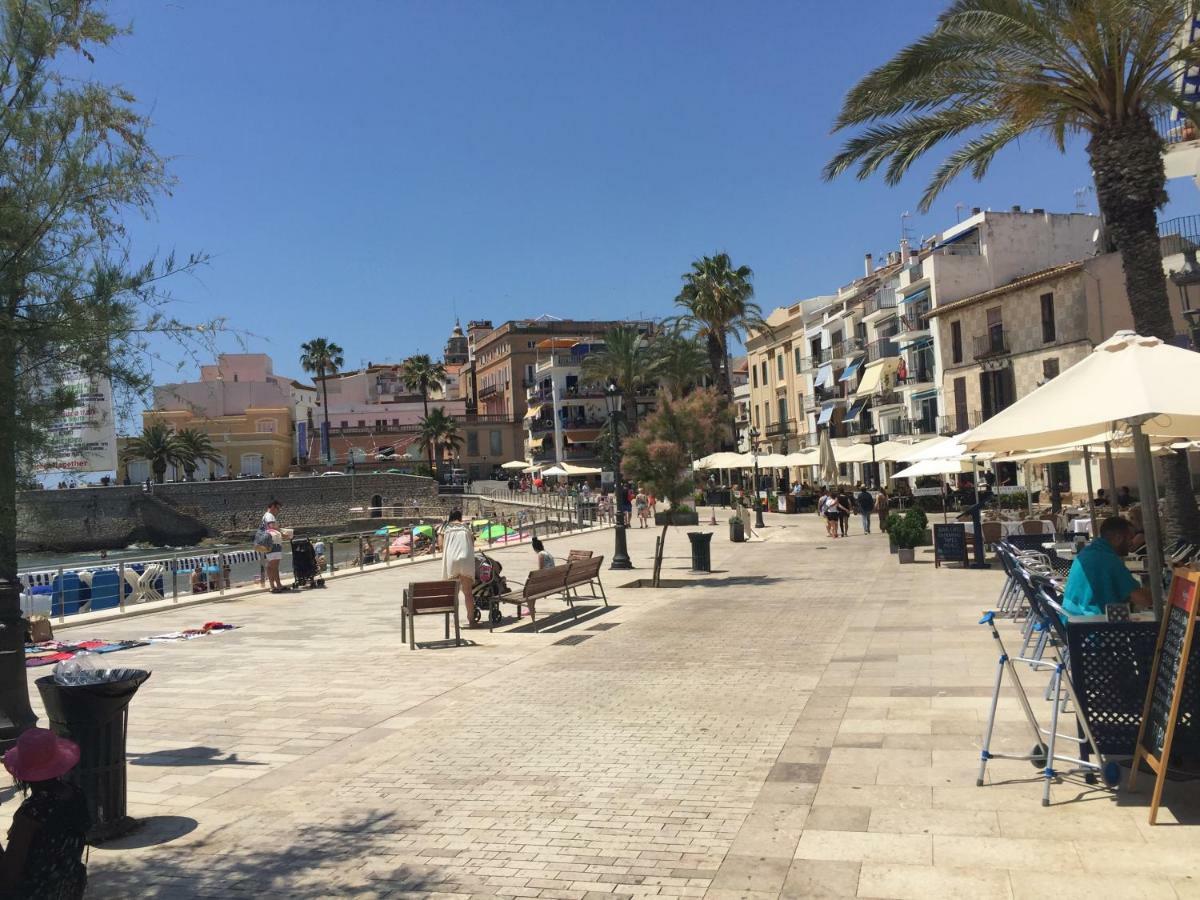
column 84, row 437
column 302, row 440
column 325, row 454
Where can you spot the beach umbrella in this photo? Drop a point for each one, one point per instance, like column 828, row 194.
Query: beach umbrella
column 494, row 532
column 390, row 529
column 1128, row 381
column 827, row 462
column 515, row 464
column 423, row 530
column 722, row 460
column 479, row 523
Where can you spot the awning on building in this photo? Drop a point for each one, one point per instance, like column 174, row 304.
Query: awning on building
column 824, row 376
column 852, row 369
column 922, row 294
column 532, row 412
column 919, row 343
column 855, row 408
column 969, row 232
column 925, row 395
column 877, row 376
column 826, row 414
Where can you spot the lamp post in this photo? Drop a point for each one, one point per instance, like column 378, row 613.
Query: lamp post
column 613, row 400
column 758, row 518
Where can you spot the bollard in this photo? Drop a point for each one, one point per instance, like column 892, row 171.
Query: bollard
column 175, row 580
column 62, row 602
column 121, row 585
column 221, row 571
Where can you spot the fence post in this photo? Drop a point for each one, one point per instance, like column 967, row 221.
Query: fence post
column 221, row 571
column 121, row 585
column 62, row 598
column 175, row 580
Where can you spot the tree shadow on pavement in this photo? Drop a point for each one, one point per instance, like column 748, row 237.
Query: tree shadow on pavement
column 314, row 860
column 188, row 756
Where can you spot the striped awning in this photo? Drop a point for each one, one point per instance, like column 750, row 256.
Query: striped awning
column 852, row 369
column 922, row 294
column 824, row 376
column 826, row 414
column 855, row 408
column 878, row 375
column 532, row 412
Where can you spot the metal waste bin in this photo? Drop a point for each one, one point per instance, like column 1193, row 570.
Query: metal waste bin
column 701, row 550
column 95, row 716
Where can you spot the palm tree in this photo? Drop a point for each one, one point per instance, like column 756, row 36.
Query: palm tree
column 197, row 448
column 624, row 359
column 994, row 71
column 159, row 446
column 679, row 363
column 422, row 374
column 322, row 357
column 438, row 432
column 717, row 306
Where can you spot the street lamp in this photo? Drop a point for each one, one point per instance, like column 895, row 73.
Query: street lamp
column 613, row 400
column 758, row 519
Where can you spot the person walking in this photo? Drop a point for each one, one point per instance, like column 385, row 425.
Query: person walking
column 652, row 506
column 827, row 509
column 44, row 856
column 866, row 506
column 881, row 508
column 269, row 540
column 458, row 559
column 843, row 511
column 641, row 504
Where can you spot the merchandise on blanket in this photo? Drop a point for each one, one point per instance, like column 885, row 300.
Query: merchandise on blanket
column 190, row 634
column 120, row 645
column 39, row 629
column 46, row 659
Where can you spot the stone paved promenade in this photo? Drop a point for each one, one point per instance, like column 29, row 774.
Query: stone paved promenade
column 803, row 722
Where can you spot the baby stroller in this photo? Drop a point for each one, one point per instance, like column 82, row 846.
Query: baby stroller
column 304, row 565
column 489, row 586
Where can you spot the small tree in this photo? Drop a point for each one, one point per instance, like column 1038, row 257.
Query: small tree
column 197, row 449
column 659, row 457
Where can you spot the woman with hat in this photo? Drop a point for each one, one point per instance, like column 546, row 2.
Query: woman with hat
column 44, row 856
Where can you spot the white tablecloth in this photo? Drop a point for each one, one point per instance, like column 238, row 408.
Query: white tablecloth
column 1008, row 528
column 1081, row 526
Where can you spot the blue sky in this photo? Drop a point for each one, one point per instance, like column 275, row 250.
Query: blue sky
column 365, row 170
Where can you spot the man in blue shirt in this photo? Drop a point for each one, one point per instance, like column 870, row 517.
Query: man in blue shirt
column 1099, row 577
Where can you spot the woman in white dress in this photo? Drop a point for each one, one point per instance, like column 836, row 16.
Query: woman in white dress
column 458, row 559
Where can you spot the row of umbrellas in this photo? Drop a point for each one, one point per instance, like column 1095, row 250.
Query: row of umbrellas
column 565, row 470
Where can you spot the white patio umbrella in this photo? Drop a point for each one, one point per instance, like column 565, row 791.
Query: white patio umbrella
column 1129, row 380
column 724, row 460
column 567, row 470
column 828, row 463
column 515, row 464
column 771, row 461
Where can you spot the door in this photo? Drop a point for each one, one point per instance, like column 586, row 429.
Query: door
column 251, row 464
column 960, row 404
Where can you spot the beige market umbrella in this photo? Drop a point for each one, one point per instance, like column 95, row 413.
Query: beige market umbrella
column 724, row 460
column 515, row 464
column 828, row 463
column 1129, row 380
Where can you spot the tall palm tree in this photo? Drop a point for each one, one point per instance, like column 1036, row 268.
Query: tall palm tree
column 624, row 359
column 680, row 363
column 197, row 448
column 994, row 71
column 159, row 446
column 422, row 374
column 438, row 432
column 717, row 305
column 322, row 357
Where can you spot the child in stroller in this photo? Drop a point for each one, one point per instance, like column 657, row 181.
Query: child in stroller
column 304, row 565
column 489, row 585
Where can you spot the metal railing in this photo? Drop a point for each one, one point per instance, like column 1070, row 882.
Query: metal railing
column 882, row 301
column 994, row 343
column 1179, row 235
column 838, row 350
column 159, row 581
column 779, row 429
column 882, row 349
column 1174, row 130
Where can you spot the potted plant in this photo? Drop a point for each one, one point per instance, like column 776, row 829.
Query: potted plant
column 737, row 531
column 908, row 535
column 893, row 522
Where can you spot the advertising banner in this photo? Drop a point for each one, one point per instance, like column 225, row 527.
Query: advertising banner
column 84, row 437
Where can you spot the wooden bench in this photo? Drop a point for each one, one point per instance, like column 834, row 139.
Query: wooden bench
column 576, row 555
column 586, row 571
column 429, row 598
column 557, row 581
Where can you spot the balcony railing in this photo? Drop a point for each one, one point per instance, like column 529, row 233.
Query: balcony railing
column 838, row 350
column 1179, row 235
column 882, row 301
column 1173, row 130
column 781, row 429
column 957, row 424
column 994, row 343
column 882, row 349
column 557, row 360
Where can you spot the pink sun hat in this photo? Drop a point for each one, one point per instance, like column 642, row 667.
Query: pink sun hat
column 40, row 755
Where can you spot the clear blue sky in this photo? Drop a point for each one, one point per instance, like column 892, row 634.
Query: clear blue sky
column 364, row 170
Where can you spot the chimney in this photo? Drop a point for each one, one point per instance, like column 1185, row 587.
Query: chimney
column 868, row 265
column 893, row 257
column 905, row 252
column 1038, row 211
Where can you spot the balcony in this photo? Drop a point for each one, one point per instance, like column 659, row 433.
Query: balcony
column 839, row 351
column 918, row 379
column 1174, row 131
column 1181, row 235
column 994, row 343
column 780, row 429
column 958, row 423
column 546, row 423
column 557, row 360
column 882, row 349
column 887, row 399
column 914, row 322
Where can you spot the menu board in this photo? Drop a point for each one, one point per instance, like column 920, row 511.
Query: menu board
column 1160, row 713
column 949, row 543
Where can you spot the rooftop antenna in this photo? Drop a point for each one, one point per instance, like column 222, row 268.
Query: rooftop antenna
column 1081, row 201
column 905, row 225
column 958, row 211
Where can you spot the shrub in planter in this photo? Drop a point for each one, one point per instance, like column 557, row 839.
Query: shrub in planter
column 908, row 534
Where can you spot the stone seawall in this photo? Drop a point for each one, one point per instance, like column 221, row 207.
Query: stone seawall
column 183, row 514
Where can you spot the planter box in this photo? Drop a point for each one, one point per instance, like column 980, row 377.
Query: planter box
column 892, row 544
column 907, row 554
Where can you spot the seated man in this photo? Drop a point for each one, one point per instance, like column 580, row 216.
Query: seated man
column 1098, row 575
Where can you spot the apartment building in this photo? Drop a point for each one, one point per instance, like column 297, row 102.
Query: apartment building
column 567, row 411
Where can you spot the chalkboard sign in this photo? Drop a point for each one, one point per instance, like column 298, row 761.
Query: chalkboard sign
column 1160, row 713
column 949, row 544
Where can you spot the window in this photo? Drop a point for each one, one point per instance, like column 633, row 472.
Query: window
column 960, row 404
column 754, row 376
column 496, row 443
column 783, row 416
column 472, row 443
column 956, row 342
column 265, row 426
column 799, row 361
column 764, row 373
column 362, row 423
column 1048, row 334
column 995, row 330
column 251, row 464
column 756, row 423
column 767, row 414
column 779, row 366
column 1050, row 368
column 345, row 424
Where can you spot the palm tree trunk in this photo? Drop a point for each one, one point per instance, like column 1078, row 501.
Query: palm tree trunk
column 15, row 712
column 1131, row 187
column 425, row 406
column 716, row 358
column 325, row 408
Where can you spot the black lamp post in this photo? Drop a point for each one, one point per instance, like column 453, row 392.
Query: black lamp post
column 613, row 399
column 758, row 519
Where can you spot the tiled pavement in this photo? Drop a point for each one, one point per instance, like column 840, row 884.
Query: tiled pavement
column 803, row 722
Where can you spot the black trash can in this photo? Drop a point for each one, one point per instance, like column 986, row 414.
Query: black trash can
column 737, row 531
column 94, row 716
column 701, row 550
